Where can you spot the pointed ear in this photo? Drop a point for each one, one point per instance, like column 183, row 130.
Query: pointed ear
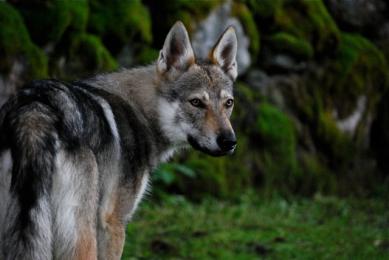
column 224, row 53
column 177, row 51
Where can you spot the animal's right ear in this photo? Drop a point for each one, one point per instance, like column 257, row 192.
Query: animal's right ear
column 177, row 52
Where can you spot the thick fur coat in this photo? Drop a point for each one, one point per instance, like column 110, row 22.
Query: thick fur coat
column 75, row 158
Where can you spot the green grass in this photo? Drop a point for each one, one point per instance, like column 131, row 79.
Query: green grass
column 321, row 228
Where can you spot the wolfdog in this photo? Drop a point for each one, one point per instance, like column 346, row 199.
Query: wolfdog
column 75, row 158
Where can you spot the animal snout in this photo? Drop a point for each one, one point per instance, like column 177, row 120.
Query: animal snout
column 226, row 141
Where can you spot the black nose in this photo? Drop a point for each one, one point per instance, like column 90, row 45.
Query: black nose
column 226, row 141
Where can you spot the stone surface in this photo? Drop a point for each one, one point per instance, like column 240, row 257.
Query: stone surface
column 210, row 29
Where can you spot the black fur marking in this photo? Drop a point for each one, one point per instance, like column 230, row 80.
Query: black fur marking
column 135, row 133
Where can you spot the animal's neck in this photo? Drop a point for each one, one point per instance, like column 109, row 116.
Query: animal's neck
column 139, row 88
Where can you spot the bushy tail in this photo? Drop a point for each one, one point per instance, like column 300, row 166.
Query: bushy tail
column 31, row 136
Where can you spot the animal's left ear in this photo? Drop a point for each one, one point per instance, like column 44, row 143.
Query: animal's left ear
column 224, row 53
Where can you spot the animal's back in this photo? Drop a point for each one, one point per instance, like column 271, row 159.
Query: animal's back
column 58, row 141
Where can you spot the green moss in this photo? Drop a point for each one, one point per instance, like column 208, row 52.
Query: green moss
column 277, row 134
column 45, row 21
column 245, row 16
column 79, row 12
column 15, row 43
column 246, row 100
column 88, row 52
column 360, row 64
column 188, row 11
column 334, row 143
column 325, row 28
column 196, row 8
column 37, row 62
column 286, row 42
column 147, row 55
column 223, row 176
column 317, row 178
column 309, row 20
column 211, row 176
column 276, row 129
column 120, row 21
column 264, row 8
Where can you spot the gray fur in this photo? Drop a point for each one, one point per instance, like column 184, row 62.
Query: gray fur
column 75, row 158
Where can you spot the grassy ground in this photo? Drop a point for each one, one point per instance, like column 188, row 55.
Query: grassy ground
column 321, row 228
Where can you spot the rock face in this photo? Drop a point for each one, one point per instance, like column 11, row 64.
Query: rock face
column 311, row 102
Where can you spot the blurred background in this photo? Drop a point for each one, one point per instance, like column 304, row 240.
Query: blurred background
column 309, row 178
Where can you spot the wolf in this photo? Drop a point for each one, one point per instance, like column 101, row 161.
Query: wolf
column 75, row 158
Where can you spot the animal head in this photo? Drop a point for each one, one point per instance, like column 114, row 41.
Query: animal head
column 196, row 97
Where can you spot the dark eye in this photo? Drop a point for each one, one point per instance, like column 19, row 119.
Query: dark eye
column 229, row 102
column 196, row 102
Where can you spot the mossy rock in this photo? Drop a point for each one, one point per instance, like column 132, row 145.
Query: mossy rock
column 37, row 63
column 47, row 21
column 245, row 114
column 15, row 43
column 335, row 144
column 264, row 8
column 197, row 8
column 188, row 11
column 120, row 22
column 359, row 68
column 79, row 12
column 275, row 129
column 88, row 54
column 243, row 13
column 309, row 20
column 317, row 178
column 278, row 153
column 290, row 44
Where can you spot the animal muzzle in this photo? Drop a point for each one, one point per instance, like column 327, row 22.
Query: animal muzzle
column 226, row 141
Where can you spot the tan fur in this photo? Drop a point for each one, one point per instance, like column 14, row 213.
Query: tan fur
column 210, row 121
column 116, row 232
column 86, row 245
column 115, row 219
column 211, row 57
